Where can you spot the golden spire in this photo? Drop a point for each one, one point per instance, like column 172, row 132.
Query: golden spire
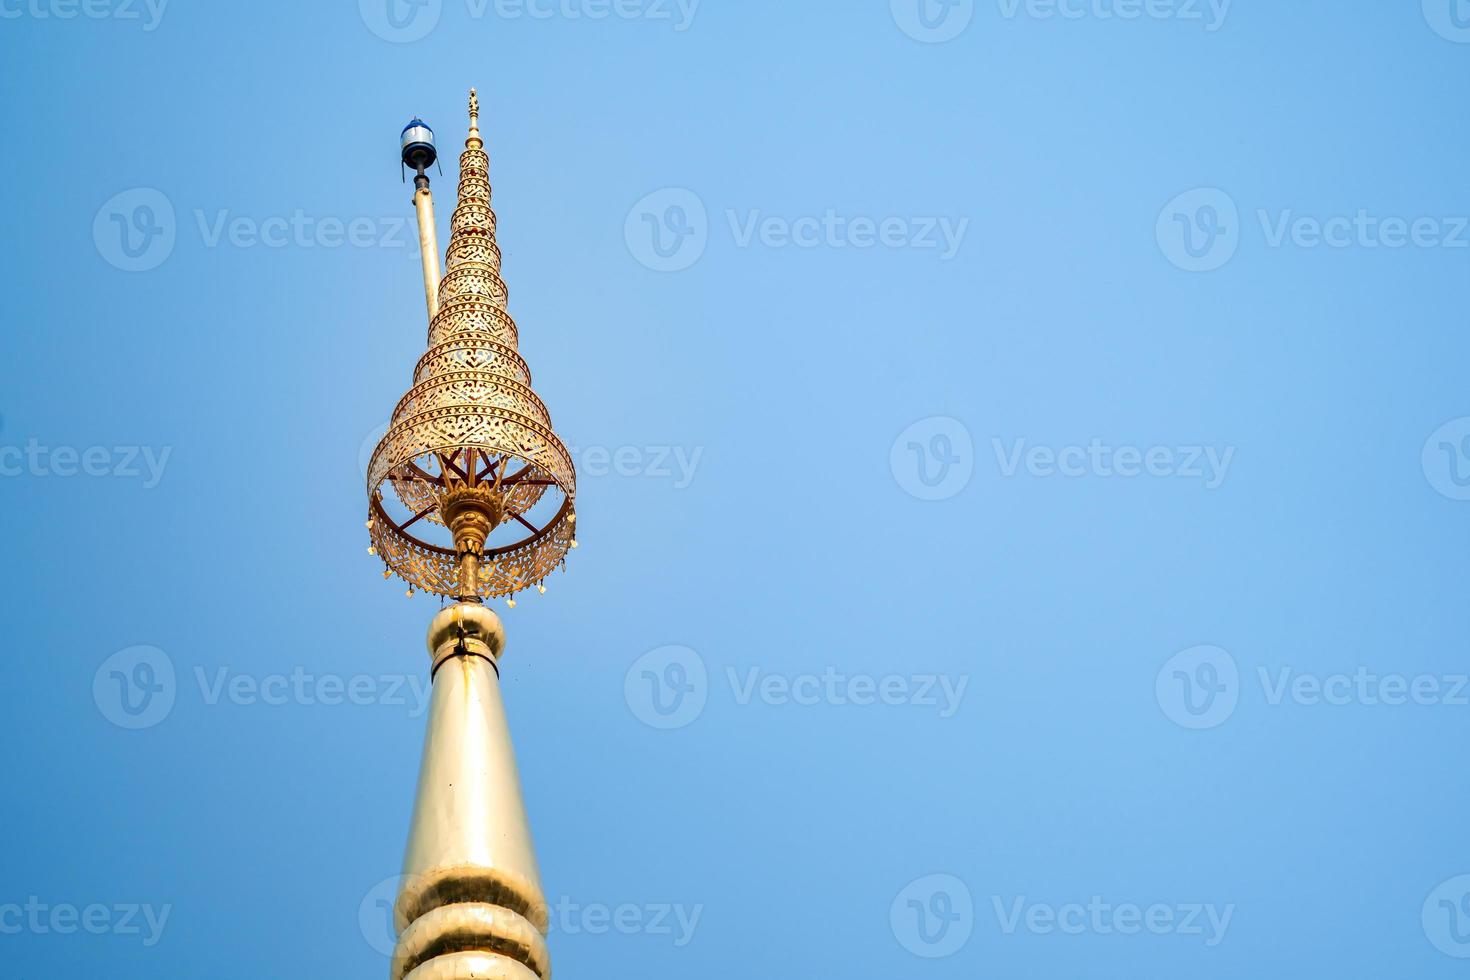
column 470, row 495
column 470, row 491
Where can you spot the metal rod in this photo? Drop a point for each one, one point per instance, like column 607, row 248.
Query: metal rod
column 423, row 203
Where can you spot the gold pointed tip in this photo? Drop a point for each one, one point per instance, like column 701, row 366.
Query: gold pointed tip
column 474, row 107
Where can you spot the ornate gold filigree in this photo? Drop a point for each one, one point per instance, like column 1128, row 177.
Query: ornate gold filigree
column 470, row 449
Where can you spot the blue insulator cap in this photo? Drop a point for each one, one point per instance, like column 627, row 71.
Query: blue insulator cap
column 418, row 144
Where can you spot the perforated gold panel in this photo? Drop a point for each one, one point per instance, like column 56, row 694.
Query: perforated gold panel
column 471, row 419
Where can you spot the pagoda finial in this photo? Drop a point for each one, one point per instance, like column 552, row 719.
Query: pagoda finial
column 471, row 495
column 470, row 492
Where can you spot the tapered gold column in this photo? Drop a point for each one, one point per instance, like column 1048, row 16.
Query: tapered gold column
column 471, row 495
column 471, row 903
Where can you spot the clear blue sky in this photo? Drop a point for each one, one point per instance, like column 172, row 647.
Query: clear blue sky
column 1041, row 438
